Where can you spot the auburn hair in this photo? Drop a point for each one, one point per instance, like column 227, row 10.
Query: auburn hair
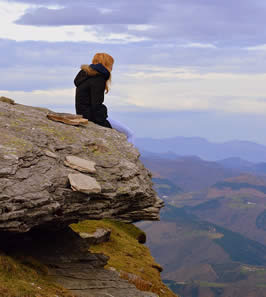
column 107, row 61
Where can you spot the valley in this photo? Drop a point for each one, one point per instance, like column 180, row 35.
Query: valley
column 211, row 239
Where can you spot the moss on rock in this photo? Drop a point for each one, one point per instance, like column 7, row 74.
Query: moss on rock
column 130, row 258
column 27, row 278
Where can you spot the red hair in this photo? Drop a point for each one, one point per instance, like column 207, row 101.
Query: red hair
column 107, row 61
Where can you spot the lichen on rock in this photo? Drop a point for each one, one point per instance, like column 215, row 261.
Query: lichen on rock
column 34, row 184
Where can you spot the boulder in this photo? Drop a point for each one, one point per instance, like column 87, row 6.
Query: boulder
column 40, row 184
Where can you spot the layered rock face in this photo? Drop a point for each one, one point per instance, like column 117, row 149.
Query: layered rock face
column 53, row 174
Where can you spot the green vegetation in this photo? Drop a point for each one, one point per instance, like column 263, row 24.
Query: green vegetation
column 27, row 278
column 261, row 285
column 240, row 248
column 127, row 255
column 64, row 135
column 15, row 143
column 209, row 205
column 165, row 187
column 239, row 186
column 212, row 285
column 261, row 221
column 194, row 286
column 237, row 246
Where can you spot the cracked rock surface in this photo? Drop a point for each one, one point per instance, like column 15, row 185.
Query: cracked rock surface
column 34, row 185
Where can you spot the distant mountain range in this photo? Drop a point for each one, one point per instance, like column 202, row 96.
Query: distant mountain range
column 187, row 173
column 187, row 146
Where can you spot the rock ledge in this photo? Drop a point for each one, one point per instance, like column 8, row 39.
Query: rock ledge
column 34, row 179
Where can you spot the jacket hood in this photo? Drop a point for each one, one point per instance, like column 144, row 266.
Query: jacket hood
column 89, row 70
column 101, row 69
column 97, row 68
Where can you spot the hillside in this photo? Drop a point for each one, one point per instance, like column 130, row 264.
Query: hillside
column 209, row 260
column 188, row 173
column 221, row 221
column 23, row 275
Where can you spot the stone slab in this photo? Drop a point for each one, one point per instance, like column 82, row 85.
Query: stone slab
column 99, row 236
column 67, row 118
column 83, row 183
column 80, row 164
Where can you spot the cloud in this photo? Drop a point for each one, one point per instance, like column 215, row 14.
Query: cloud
column 32, row 65
column 10, row 12
column 239, row 22
column 81, row 15
column 149, row 87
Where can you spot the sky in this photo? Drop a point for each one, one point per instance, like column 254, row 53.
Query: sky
column 182, row 67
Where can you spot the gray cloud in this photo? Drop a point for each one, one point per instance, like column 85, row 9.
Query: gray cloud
column 227, row 22
column 82, row 15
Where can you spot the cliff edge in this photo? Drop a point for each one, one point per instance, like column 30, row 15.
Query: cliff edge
column 53, row 174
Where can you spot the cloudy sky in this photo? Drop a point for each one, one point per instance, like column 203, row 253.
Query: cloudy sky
column 182, row 67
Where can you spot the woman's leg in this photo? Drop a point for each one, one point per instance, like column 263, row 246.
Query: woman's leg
column 123, row 129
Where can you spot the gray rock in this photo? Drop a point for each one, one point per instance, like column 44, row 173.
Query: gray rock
column 83, row 183
column 99, row 236
column 80, row 164
column 35, row 190
column 50, row 154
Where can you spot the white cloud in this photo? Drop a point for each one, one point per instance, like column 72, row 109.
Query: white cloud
column 143, row 27
column 199, row 45
column 261, row 47
column 188, row 89
column 167, row 89
column 10, row 12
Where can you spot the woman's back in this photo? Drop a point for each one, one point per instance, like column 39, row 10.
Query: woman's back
column 90, row 97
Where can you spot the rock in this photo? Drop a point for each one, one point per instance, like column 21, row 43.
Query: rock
column 99, row 236
column 80, row 164
column 142, row 238
column 35, row 189
column 50, row 154
column 67, row 118
column 69, row 262
column 84, row 183
column 158, row 267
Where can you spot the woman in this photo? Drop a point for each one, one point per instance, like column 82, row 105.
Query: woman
column 92, row 82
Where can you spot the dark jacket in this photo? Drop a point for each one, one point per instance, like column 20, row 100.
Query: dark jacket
column 90, row 97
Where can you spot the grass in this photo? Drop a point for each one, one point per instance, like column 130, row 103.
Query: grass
column 261, row 285
column 212, row 285
column 130, row 258
column 27, row 278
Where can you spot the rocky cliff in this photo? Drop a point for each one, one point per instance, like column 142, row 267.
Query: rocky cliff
column 55, row 174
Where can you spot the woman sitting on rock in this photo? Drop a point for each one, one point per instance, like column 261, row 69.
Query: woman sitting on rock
column 92, row 82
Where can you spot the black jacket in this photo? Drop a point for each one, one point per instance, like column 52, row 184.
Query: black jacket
column 90, row 96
